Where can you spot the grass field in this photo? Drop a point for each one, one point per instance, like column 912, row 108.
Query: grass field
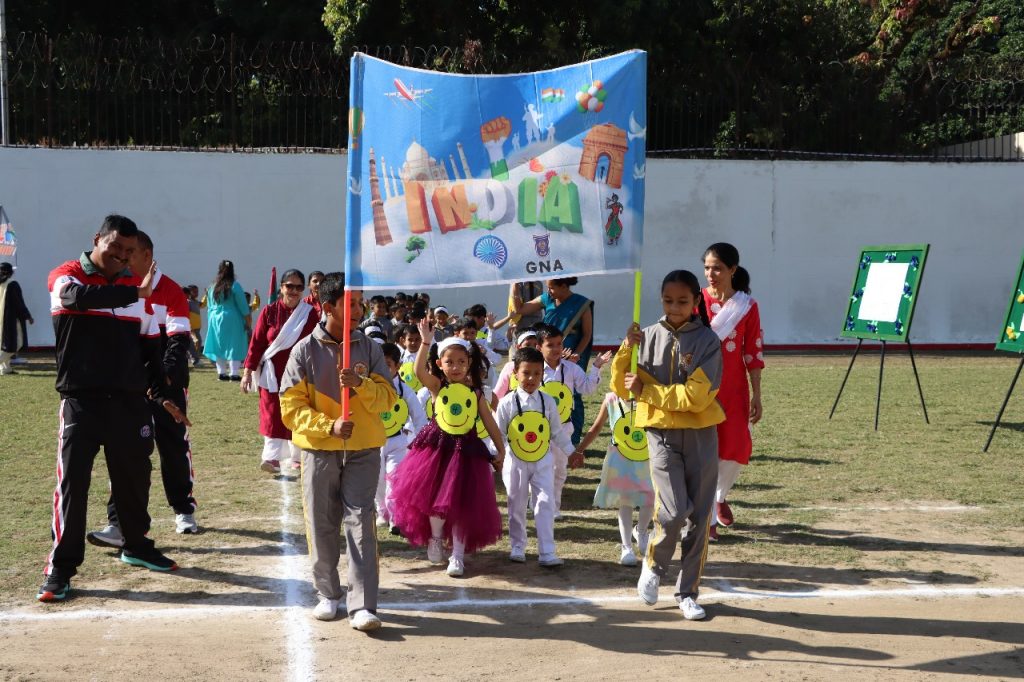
column 807, row 472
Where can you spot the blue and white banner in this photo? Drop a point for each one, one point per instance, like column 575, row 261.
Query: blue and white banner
column 457, row 180
column 8, row 240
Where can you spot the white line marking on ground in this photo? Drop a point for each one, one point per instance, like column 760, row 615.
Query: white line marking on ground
column 709, row 597
column 298, row 633
column 911, row 508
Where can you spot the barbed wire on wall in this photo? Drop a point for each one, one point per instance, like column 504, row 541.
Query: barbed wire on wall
column 223, row 93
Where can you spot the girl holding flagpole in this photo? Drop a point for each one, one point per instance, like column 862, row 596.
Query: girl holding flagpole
column 737, row 322
column 443, row 490
column 280, row 326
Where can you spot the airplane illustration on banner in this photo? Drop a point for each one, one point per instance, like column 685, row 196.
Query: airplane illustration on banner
column 404, row 93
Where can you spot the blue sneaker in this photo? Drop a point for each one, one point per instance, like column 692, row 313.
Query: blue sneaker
column 154, row 561
column 54, row 589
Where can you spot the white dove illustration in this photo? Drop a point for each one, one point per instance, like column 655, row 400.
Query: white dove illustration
column 635, row 131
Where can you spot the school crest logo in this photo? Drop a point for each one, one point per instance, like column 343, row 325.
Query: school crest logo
column 361, row 369
column 541, row 244
column 146, row 431
column 688, row 360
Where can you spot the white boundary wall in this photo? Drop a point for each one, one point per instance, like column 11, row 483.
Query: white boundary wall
column 799, row 227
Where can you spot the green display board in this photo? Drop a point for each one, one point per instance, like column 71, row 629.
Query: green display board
column 1011, row 337
column 884, row 292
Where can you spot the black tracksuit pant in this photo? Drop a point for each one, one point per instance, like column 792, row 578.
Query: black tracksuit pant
column 122, row 424
column 175, row 448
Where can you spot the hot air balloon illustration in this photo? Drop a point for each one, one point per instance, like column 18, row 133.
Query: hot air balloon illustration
column 356, row 121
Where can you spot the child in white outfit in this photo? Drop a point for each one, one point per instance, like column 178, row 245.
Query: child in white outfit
column 562, row 378
column 400, row 433
column 534, row 434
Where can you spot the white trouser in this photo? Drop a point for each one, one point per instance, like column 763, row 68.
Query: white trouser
column 279, row 450
column 391, row 455
column 561, row 468
column 230, row 367
column 5, row 362
column 728, row 473
column 521, row 479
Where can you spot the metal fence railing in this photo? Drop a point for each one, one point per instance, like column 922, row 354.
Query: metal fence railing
column 224, row 93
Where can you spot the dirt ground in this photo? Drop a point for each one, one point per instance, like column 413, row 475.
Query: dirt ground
column 917, row 601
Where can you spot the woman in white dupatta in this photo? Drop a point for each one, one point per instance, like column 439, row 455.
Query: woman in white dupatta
column 280, row 326
column 735, row 318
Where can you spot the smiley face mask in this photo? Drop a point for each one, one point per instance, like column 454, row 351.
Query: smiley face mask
column 629, row 439
column 529, row 433
column 408, row 374
column 455, row 409
column 395, row 418
column 562, row 395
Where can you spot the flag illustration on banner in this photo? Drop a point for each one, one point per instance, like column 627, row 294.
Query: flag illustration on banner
column 456, row 180
column 8, row 240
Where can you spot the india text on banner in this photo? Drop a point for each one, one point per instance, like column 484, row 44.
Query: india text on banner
column 457, row 180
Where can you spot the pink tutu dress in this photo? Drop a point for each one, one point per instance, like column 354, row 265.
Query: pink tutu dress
column 450, row 477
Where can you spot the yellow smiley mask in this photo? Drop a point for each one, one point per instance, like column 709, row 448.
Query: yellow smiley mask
column 563, row 398
column 630, row 440
column 408, row 374
column 395, row 418
column 455, row 409
column 529, row 436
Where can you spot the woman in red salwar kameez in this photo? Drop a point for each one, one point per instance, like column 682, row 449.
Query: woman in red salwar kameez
column 736, row 320
column 280, row 326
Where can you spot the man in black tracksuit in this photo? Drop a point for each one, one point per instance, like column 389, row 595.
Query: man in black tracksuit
column 108, row 357
column 169, row 308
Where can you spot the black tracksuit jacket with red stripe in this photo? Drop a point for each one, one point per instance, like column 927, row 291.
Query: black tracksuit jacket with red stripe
column 106, row 342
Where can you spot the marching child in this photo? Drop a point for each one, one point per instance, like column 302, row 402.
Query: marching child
column 533, row 432
column 442, row 330
column 625, row 475
column 443, row 490
column 562, row 378
column 408, row 340
column 678, row 375
column 506, row 379
column 402, row 421
column 340, row 458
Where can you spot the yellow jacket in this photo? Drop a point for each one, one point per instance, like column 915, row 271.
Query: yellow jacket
column 311, row 393
column 681, row 370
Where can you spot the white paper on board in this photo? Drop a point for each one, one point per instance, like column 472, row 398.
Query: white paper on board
column 883, row 292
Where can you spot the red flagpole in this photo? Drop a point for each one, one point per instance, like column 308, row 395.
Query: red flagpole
column 346, row 350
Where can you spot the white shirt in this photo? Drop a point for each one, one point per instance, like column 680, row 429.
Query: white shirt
column 407, row 357
column 531, row 402
column 573, row 376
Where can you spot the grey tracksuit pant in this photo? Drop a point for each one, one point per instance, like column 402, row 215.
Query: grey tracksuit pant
column 684, row 470
column 338, row 489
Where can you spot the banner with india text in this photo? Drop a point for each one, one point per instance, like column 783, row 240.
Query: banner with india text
column 457, row 180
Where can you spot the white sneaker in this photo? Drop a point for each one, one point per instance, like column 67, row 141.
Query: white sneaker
column 364, row 621
column 628, row 558
column 110, row 536
column 647, row 585
column 691, row 609
column 381, row 522
column 326, row 609
column 551, row 561
column 456, row 568
column 641, row 540
column 185, row 523
column 435, row 551
column 557, row 516
column 517, row 555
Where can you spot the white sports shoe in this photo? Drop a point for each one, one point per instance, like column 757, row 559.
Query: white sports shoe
column 110, row 536
column 517, row 555
column 435, row 551
column 691, row 609
column 326, row 609
column 647, row 585
column 628, row 558
column 456, row 567
column 551, row 561
column 364, row 621
column 381, row 522
column 185, row 523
